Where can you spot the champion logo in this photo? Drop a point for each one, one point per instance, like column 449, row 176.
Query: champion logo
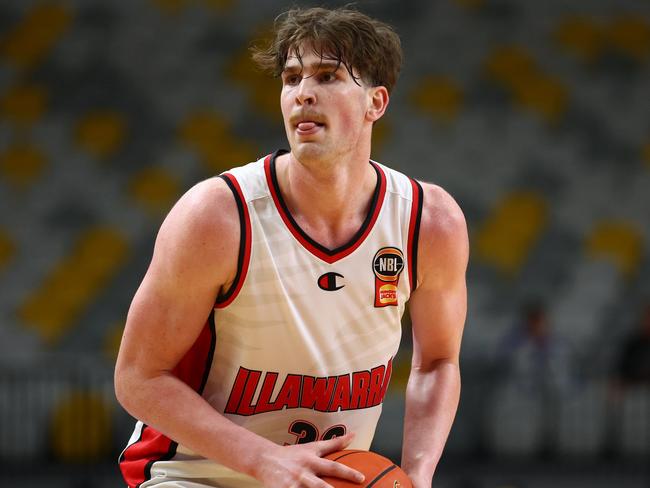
column 330, row 281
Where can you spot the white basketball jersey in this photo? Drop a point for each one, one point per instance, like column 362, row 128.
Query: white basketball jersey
column 301, row 347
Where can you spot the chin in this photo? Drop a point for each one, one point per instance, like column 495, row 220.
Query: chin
column 305, row 152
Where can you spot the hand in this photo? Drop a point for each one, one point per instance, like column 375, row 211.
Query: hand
column 302, row 465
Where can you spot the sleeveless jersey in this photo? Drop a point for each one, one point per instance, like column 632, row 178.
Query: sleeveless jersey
column 301, row 346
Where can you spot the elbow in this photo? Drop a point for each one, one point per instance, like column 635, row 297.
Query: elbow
column 121, row 392
column 447, row 364
column 123, row 385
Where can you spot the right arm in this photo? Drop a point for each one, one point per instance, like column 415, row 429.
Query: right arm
column 194, row 259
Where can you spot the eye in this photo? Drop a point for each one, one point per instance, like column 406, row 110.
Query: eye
column 293, row 79
column 327, row 76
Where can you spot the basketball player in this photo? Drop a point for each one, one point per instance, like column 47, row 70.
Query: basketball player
column 263, row 334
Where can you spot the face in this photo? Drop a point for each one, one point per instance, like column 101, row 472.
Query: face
column 327, row 115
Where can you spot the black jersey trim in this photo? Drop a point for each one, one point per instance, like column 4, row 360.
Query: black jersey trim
column 355, row 240
column 171, row 452
column 414, row 232
column 244, row 242
column 210, row 356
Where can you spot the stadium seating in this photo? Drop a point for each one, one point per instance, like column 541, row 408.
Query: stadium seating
column 23, row 105
column 155, row 189
column 29, row 42
column 74, row 282
column 7, row 249
column 582, row 37
column 101, row 133
column 509, row 233
column 533, row 115
column 21, row 164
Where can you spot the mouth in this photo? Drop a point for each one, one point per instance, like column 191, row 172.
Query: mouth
column 306, row 127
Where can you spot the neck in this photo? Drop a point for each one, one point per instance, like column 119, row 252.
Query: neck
column 330, row 200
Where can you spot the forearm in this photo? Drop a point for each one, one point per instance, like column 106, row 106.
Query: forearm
column 431, row 403
column 173, row 408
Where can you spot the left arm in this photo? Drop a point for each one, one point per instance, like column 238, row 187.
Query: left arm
column 438, row 308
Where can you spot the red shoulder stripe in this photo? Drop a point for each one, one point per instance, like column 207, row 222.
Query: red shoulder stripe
column 193, row 369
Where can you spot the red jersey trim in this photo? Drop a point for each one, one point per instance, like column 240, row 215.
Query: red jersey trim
column 414, row 233
column 137, row 459
column 328, row 255
column 244, row 242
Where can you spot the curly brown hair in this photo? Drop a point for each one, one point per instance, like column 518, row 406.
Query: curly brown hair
column 362, row 44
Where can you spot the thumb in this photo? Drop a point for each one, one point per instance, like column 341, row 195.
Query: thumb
column 334, row 444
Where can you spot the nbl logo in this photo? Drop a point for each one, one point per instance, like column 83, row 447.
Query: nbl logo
column 387, row 265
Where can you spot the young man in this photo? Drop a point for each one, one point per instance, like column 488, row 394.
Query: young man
column 263, row 333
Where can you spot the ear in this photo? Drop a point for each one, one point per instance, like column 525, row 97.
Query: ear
column 377, row 103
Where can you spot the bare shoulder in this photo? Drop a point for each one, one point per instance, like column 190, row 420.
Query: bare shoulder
column 443, row 241
column 205, row 205
column 202, row 227
column 442, row 217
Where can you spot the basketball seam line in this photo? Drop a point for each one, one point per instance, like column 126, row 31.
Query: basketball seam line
column 347, row 454
column 381, row 475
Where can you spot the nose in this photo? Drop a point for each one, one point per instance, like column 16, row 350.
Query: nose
column 305, row 94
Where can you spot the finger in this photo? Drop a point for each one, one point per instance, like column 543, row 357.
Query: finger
column 323, row 448
column 311, row 481
column 334, row 469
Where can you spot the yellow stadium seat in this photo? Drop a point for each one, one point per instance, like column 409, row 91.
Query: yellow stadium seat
column 507, row 65
column 645, row 154
column 582, row 37
column 112, row 341
column 504, row 241
column 34, row 37
column 262, row 89
column 219, row 5
column 98, row 254
column 7, row 249
column 101, row 133
column 21, row 164
column 438, row 96
column 74, row 283
column 514, row 68
column 242, row 68
column 210, row 136
column 81, row 427
column 619, row 242
column 543, row 95
column 24, row 104
column 155, row 189
column 232, row 152
column 203, row 130
column 170, row 6
column 631, row 36
column 381, row 133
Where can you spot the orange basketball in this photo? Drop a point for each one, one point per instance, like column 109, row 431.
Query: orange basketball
column 380, row 472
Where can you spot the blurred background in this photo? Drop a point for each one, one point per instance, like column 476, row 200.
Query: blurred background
column 534, row 115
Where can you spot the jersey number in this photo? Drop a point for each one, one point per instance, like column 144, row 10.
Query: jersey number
column 308, row 432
